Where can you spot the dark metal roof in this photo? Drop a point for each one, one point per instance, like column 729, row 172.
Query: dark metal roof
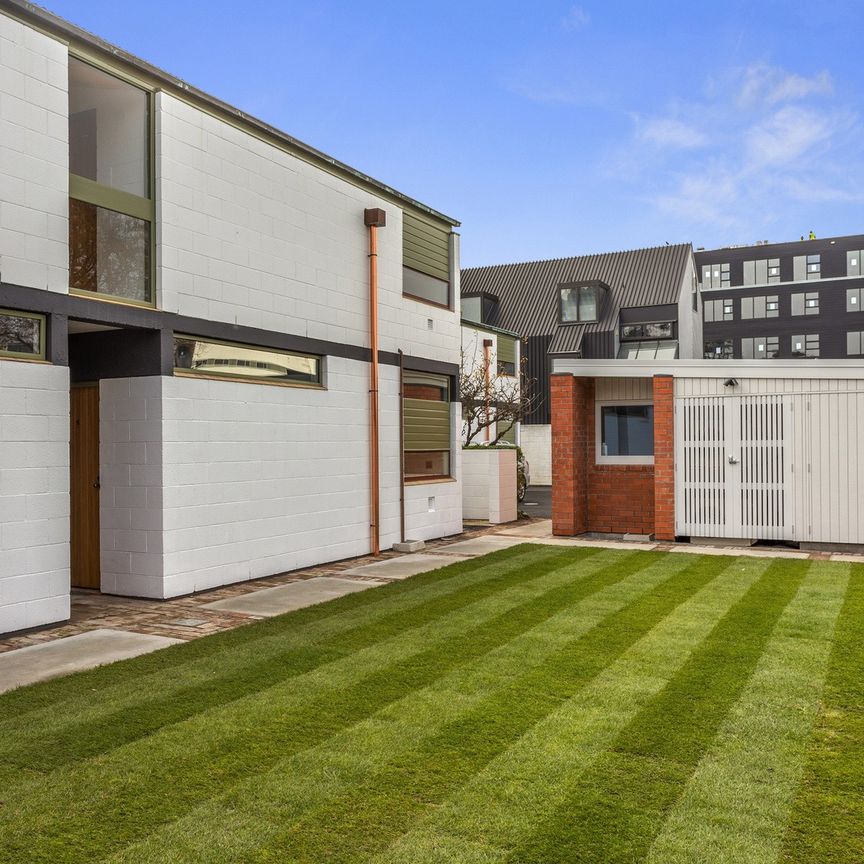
column 528, row 292
column 69, row 32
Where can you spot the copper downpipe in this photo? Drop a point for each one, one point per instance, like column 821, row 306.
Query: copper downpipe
column 487, row 360
column 374, row 218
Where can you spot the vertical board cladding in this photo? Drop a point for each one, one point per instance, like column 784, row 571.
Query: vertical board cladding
column 34, row 495
column 536, row 378
column 34, row 158
column 613, row 499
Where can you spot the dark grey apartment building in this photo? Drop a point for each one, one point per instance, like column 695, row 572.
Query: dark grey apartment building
column 783, row 300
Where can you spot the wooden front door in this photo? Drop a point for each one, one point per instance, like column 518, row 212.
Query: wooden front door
column 84, row 488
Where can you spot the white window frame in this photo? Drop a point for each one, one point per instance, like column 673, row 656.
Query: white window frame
column 599, row 457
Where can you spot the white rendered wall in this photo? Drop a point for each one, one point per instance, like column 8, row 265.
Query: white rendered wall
column 130, row 471
column 34, row 495
column 489, row 484
column 34, row 158
column 250, row 234
column 536, row 443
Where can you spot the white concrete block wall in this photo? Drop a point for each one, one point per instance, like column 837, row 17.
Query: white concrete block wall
column 536, row 444
column 261, row 479
column 489, row 484
column 130, row 470
column 34, row 158
column 250, row 234
column 34, row 495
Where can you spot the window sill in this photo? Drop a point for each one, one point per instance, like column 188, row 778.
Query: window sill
column 239, row 379
column 424, row 481
column 108, row 298
column 38, row 360
column 427, row 302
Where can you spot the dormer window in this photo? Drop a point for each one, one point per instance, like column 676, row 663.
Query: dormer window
column 580, row 304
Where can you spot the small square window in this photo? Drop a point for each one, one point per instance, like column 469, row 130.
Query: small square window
column 22, row 335
column 625, row 433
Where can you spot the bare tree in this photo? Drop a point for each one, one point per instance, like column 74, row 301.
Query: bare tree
column 491, row 400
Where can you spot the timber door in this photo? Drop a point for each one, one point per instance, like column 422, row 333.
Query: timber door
column 734, row 467
column 84, row 486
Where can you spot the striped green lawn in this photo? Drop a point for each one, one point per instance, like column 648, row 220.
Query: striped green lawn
column 539, row 704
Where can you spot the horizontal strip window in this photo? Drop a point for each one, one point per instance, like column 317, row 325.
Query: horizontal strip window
column 207, row 358
column 111, row 212
column 656, row 349
column 426, row 418
column 651, row 330
column 22, row 335
column 423, row 287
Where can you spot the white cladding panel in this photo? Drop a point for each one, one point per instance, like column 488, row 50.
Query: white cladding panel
column 798, row 474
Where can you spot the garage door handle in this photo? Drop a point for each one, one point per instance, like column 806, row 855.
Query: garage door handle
column 733, row 460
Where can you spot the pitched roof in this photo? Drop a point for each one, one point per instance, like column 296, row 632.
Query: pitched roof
column 528, row 292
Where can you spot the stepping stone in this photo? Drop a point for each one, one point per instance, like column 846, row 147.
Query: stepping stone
column 286, row 598
column 74, row 653
column 407, row 565
column 479, row 545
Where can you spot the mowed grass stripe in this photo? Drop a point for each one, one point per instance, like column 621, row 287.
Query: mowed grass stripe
column 737, row 803
column 827, row 822
column 377, row 811
column 616, row 809
column 231, row 826
column 203, row 657
column 241, row 672
column 143, row 777
column 502, row 805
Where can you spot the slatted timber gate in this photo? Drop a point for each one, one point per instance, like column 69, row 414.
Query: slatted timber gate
column 733, row 467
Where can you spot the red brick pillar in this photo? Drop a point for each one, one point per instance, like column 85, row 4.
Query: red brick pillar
column 569, row 450
column 664, row 458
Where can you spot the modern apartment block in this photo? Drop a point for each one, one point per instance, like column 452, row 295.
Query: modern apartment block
column 223, row 353
column 783, row 300
column 638, row 305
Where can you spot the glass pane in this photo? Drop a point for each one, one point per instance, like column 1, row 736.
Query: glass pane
column 667, row 350
column 434, row 388
column 569, row 304
column 659, row 331
column 627, row 430
column 587, row 303
column 471, row 309
column 21, row 335
column 425, row 287
column 107, row 129
column 427, row 463
column 109, row 252
column 628, row 351
column 217, row 358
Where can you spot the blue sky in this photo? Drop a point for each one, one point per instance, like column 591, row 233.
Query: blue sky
column 548, row 128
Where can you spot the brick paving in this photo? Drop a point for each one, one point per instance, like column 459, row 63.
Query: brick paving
column 186, row 617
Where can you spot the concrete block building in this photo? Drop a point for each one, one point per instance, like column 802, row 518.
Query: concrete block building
column 190, row 328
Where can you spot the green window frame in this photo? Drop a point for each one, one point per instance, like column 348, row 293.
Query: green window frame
column 12, row 354
column 507, row 356
column 425, row 260
column 246, row 363
column 426, row 426
column 107, row 198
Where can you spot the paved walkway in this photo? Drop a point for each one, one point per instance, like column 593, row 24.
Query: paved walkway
column 186, row 618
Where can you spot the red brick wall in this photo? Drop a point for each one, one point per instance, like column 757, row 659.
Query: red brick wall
column 664, row 457
column 609, row 499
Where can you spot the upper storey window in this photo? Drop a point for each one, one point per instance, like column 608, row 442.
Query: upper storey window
column 763, row 272
column 580, row 303
column 425, row 260
column 715, row 276
column 111, row 206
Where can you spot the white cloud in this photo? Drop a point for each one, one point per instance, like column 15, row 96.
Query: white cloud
column 761, row 139
column 575, row 19
column 790, row 134
column 770, row 85
column 670, row 132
